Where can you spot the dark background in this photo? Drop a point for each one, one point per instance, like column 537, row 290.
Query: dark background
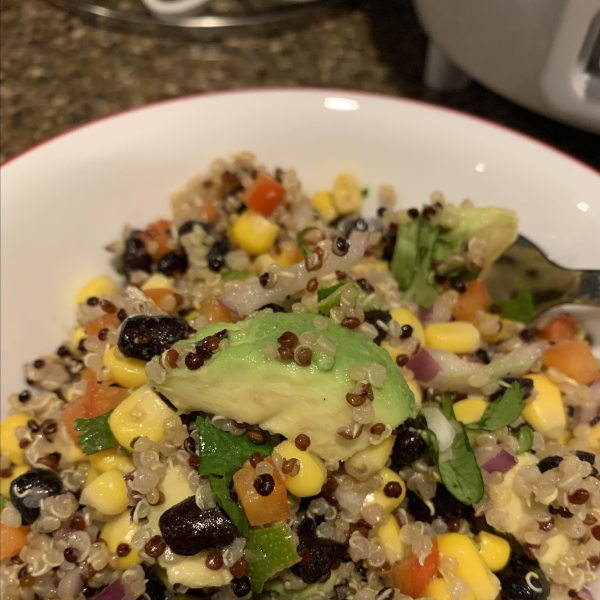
column 58, row 72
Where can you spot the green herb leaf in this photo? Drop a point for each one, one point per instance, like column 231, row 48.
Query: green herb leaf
column 461, row 474
column 234, row 275
column 126, row 451
column 220, row 490
column 222, row 453
column 521, row 308
column 404, row 261
column 323, row 294
column 525, row 439
column 364, row 192
column 3, row 501
column 502, row 412
column 301, row 243
column 447, row 408
column 97, row 435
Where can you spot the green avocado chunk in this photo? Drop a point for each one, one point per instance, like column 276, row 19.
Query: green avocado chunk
column 241, row 383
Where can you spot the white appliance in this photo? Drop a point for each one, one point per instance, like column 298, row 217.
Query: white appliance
column 542, row 54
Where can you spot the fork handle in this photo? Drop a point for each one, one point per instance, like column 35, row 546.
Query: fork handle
column 589, row 285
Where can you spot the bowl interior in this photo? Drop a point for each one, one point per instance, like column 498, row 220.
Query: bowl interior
column 65, row 200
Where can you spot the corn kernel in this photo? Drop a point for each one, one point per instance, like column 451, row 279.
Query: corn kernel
column 103, row 285
column 506, row 329
column 73, row 453
column 92, row 475
column 121, row 531
column 322, row 202
column 127, row 372
column 6, row 481
column 8, row 438
column 546, row 412
column 290, row 254
column 142, row 413
column 108, row 460
column 471, row 566
column 253, row 233
column 470, row 410
column 389, row 538
column 458, row 337
column 158, row 282
column 564, row 438
column 347, row 195
column 370, row 460
column 594, row 436
column 402, row 316
column 78, row 335
column 107, row 493
column 312, row 474
column 438, row 589
column 558, row 546
column 369, row 264
column 378, row 496
column 494, row 550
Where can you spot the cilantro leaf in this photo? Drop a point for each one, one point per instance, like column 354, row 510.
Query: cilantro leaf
column 447, row 408
column 96, row 435
column 220, row 490
column 503, row 412
column 235, row 275
column 521, row 308
column 222, row 453
column 301, row 243
column 364, row 192
column 3, row 501
column 322, row 294
column 126, row 451
column 525, row 439
column 461, row 474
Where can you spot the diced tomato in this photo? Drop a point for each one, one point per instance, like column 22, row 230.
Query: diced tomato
column 165, row 299
column 12, row 540
column 560, row 329
column 214, row 311
column 93, row 327
column 71, row 412
column 261, row 510
column 157, row 233
column 100, row 398
column 264, row 194
column 208, row 213
column 410, row 577
column 573, row 358
column 474, row 299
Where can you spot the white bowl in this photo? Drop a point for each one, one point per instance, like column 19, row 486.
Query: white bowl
column 65, row 199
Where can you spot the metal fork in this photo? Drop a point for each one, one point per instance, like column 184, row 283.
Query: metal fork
column 550, row 285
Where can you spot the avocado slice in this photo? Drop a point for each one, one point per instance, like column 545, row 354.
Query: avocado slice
column 241, row 383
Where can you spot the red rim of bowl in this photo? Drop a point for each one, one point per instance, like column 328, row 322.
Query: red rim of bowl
column 428, row 105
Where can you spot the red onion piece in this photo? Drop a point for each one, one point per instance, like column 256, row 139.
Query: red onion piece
column 585, row 594
column 443, row 370
column 248, row 296
column 115, row 591
column 424, row 366
column 425, row 314
column 503, row 462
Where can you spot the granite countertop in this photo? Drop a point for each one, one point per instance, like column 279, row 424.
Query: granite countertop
column 57, row 71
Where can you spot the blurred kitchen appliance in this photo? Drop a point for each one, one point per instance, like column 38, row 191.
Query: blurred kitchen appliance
column 542, row 54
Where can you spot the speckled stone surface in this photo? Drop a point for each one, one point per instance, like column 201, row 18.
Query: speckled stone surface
column 58, row 72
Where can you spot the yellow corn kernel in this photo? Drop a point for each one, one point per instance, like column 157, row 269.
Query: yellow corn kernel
column 389, row 538
column 402, row 316
column 507, row 328
column 103, row 285
column 458, row 337
column 9, row 444
column 564, row 438
column 416, row 390
column 378, row 496
column 92, row 475
column 6, row 481
column 494, row 550
column 107, row 493
column 369, row 264
column 470, row 410
column 471, row 566
column 558, row 546
column 158, row 282
column 290, row 254
column 253, row 233
column 78, row 335
column 108, row 460
column 312, row 474
column 594, row 436
column 127, row 372
column 546, row 412
column 120, row 531
column 142, row 413
column 370, row 460
column 438, row 589
column 322, row 202
column 73, row 453
column 347, row 195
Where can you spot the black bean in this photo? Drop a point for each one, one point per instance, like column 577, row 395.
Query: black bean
column 161, row 332
column 388, row 242
column 550, row 462
column 372, row 316
column 482, row 355
column 589, row 457
column 517, row 576
column 40, row 483
column 155, row 590
column 216, row 254
column 323, row 553
column 274, row 307
column 173, row 264
column 408, row 447
column 188, row 529
column 240, row 586
column 135, row 257
column 188, row 227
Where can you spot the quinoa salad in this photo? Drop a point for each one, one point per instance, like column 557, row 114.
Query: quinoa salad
column 273, row 396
